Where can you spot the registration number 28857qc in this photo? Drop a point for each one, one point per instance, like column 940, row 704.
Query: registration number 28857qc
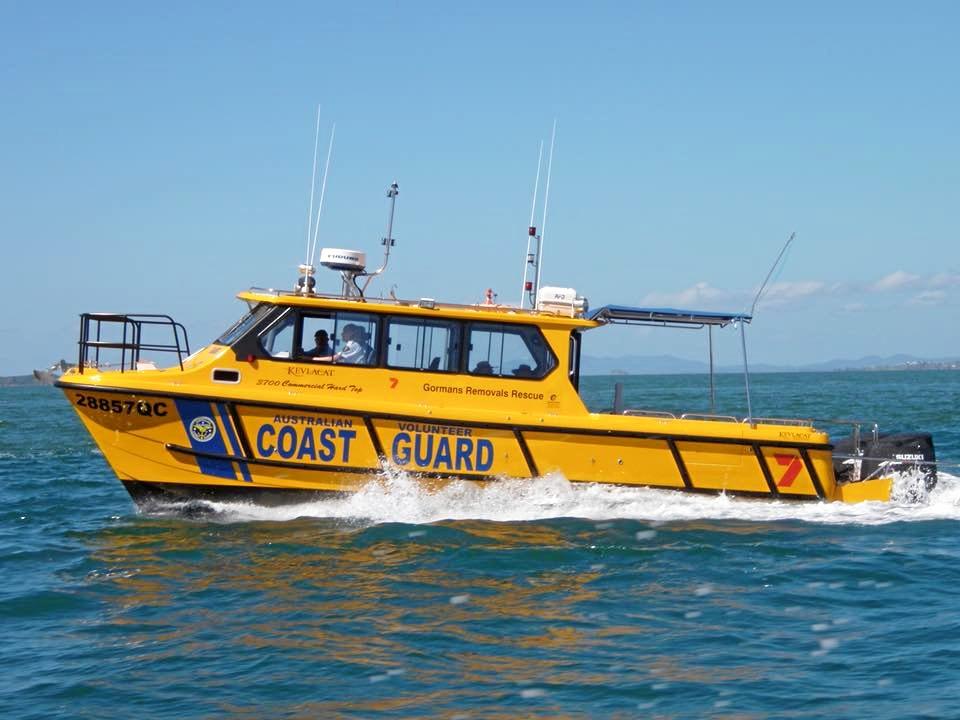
column 122, row 407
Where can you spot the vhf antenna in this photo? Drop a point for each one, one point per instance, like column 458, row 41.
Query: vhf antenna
column 743, row 323
column 772, row 268
column 532, row 234
column 534, row 259
column 306, row 282
column 543, row 228
column 323, row 192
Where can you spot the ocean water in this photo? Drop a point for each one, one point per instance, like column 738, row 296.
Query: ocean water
column 502, row 600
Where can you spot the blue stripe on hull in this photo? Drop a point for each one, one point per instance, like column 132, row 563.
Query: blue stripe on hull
column 232, row 437
column 190, row 411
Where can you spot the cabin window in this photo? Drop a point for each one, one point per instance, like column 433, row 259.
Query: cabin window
column 277, row 340
column 244, row 324
column 348, row 338
column 422, row 344
column 508, row 351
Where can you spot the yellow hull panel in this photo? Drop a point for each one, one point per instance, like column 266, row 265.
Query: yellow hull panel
column 619, row 460
column 187, row 441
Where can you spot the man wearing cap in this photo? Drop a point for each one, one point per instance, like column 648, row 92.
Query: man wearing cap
column 322, row 349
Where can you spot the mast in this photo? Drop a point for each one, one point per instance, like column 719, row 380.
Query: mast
column 387, row 242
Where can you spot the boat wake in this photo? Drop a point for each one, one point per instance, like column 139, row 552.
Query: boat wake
column 396, row 497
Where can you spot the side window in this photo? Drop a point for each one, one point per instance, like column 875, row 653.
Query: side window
column 574, row 372
column 508, row 351
column 277, row 340
column 340, row 337
column 420, row 344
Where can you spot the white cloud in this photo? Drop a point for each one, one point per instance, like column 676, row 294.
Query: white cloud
column 928, row 297
column 700, row 295
column 895, row 281
column 783, row 292
column 929, row 290
column 942, row 280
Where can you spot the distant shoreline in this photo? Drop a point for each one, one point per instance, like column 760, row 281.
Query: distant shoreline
column 19, row 381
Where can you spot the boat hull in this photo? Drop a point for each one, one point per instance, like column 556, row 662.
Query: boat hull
column 167, row 445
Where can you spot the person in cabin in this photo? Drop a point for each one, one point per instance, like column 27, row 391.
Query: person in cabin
column 321, row 350
column 483, row 368
column 356, row 349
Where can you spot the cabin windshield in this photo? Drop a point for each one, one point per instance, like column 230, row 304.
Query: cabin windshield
column 241, row 326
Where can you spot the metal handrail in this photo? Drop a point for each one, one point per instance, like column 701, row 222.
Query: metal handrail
column 132, row 325
column 855, row 427
column 650, row 413
column 798, row 422
column 708, row 416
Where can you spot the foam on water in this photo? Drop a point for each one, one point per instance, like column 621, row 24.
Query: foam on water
column 398, row 497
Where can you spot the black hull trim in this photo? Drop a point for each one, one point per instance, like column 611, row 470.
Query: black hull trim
column 147, row 494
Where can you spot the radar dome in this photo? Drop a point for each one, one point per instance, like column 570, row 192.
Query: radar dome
column 340, row 259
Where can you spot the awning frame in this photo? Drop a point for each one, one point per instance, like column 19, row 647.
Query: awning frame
column 688, row 320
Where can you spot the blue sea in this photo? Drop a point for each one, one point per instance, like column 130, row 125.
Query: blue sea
column 502, row 600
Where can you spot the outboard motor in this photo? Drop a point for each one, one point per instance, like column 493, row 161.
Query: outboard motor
column 889, row 453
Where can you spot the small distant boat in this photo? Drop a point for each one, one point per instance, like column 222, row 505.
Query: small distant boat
column 52, row 373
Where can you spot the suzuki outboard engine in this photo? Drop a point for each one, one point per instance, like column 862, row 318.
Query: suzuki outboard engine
column 889, row 453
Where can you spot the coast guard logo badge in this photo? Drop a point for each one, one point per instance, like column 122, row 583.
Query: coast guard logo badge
column 202, row 429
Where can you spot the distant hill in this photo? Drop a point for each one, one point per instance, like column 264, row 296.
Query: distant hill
column 670, row 365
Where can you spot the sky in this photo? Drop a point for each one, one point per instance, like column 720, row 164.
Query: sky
column 157, row 158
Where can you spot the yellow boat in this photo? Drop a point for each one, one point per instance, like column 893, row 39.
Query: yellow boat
column 311, row 392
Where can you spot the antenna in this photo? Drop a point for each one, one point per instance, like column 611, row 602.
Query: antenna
column 531, row 232
column 743, row 323
column 546, row 200
column 774, row 267
column 313, row 183
column 323, row 191
column 306, row 283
